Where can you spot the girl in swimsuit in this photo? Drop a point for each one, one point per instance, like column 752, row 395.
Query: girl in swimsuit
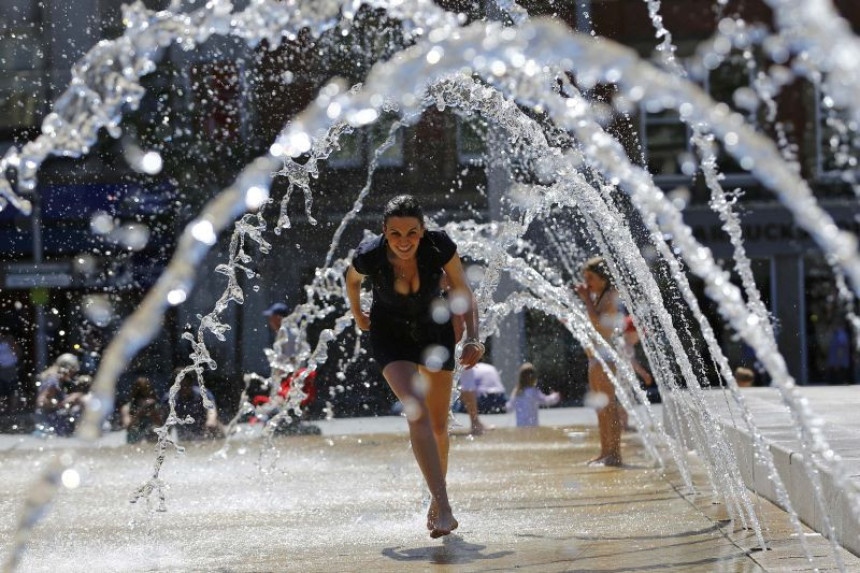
column 412, row 336
column 601, row 301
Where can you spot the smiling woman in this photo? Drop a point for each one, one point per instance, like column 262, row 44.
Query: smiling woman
column 408, row 265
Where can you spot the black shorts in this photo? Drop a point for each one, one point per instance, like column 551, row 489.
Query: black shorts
column 423, row 342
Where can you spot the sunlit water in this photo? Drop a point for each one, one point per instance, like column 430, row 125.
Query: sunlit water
column 523, row 497
column 579, row 172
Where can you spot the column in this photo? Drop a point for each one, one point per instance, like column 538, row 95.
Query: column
column 509, row 344
column 789, row 308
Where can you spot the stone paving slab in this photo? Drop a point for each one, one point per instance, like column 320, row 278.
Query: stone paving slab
column 525, row 499
column 834, row 410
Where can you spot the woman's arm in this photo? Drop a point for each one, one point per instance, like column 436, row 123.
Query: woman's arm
column 473, row 349
column 353, row 293
column 602, row 319
column 456, row 319
column 48, row 400
column 642, row 372
column 125, row 413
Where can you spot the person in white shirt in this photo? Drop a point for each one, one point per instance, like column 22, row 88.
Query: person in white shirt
column 527, row 398
column 481, row 392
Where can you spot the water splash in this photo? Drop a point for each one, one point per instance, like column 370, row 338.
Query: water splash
column 524, row 63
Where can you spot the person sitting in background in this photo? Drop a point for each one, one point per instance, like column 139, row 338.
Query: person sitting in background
column 306, row 381
column 52, row 401
column 527, row 398
column 189, row 402
column 142, row 413
column 9, row 357
column 286, row 346
column 481, row 392
column 78, row 398
column 744, row 377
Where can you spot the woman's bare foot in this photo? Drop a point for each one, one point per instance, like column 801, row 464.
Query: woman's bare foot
column 432, row 515
column 443, row 525
column 606, row 460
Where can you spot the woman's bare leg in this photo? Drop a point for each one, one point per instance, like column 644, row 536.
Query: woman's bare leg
column 413, row 392
column 439, row 406
column 608, row 419
column 623, row 418
column 593, row 385
column 470, row 401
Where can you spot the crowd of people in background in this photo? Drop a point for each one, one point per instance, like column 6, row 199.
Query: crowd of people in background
column 62, row 396
column 288, row 394
column 63, row 393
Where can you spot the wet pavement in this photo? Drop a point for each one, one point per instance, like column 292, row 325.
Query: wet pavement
column 833, row 413
column 353, row 501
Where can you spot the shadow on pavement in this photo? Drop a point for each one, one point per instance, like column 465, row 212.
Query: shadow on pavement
column 453, row 551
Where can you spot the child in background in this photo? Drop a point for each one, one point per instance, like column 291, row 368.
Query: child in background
column 744, row 377
column 527, row 398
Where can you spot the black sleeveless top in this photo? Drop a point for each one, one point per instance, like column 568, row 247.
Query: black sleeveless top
column 434, row 251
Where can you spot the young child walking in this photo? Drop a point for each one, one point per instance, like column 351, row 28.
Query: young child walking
column 527, row 398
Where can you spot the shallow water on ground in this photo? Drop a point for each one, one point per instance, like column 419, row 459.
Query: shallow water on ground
column 524, row 497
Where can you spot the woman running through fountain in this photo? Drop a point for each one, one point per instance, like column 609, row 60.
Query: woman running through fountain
column 413, row 346
column 600, row 297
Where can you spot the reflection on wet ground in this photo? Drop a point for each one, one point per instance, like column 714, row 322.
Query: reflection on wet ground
column 525, row 500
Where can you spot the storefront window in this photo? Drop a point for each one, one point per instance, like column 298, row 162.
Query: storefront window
column 351, row 151
column 724, row 84
column 831, row 358
column 837, row 137
column 737, row 352
column 665, row 140
column 217, row 89
column 22, row 78
column 471, row 139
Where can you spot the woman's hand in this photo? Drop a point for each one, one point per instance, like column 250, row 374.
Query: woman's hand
column 362, row 320
column 471, row 354
column 582, row 291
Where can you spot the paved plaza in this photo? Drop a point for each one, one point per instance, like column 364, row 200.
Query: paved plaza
column 351, row 500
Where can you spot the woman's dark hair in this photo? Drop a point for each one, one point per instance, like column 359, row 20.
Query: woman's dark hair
column 598, row 266
column 403, row 206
